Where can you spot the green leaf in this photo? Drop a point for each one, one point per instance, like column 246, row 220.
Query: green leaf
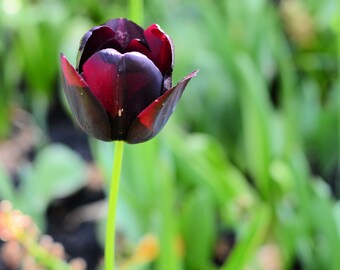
column 256, row 111
column 169, row 257
column 57, row 172
column 202, row 162
column 247, row 245
column 199, row 226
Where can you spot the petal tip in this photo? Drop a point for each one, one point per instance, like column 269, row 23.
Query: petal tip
column 192, row 74
column 62, row 58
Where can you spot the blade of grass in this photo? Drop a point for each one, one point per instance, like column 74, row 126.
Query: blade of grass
column 255, row 109
column 169, row 256
column 337, row 29
column 247, row 246
column 288, row 95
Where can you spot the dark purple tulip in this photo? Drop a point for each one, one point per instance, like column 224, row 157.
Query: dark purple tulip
column 121, row 88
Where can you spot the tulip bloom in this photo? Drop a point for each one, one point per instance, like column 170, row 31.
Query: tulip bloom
column 121, row 88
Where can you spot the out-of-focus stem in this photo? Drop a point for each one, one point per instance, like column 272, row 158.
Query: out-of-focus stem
column 136, row 11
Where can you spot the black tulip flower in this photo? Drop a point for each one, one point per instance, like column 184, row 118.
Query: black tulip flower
column 121, row 88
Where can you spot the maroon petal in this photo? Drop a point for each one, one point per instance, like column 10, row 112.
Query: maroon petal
column 96, row 39
column 161, row 48
column 89, row 113
column 125, row 31
column 100, row 73
column 136, row 45
column 124, row 84
column 158, row 48
column 151, row 120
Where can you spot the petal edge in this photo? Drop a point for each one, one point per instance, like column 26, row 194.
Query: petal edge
column 153, row 118
column 125, row 30
column 95, row 39
column 88, row 112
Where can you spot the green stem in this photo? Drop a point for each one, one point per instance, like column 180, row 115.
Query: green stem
column 136, row 11
column 112, row 207
column 337, row 21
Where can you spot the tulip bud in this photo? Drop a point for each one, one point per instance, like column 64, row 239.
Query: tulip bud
column 121, row 88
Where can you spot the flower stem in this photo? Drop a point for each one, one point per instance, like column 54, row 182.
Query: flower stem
column 112, row 207
column 136, row 9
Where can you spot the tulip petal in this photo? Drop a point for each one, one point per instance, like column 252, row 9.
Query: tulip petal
column 159, row 49
column 125, row 31
column 96, row 39
column 136, row 45
column 152, row 119
column 124, row 84
column 100, row 73
column 89, row 113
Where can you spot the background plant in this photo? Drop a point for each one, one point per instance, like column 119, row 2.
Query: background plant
column 250, row 161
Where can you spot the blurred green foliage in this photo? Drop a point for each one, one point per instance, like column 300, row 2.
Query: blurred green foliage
column 55, row 173
column 253, row 148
